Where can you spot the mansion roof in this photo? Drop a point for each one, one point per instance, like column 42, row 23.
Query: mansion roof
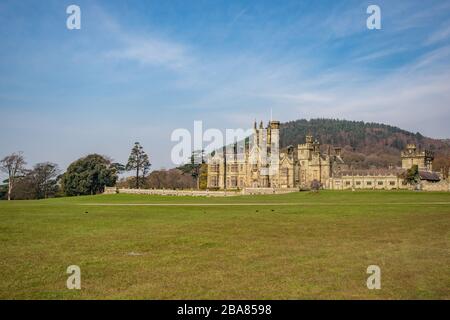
column 429, row 176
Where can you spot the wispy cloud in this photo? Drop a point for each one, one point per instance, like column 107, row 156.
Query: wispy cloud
column 151, row 51
column 380, row 54
column 443, row 33
column 434, row 57
column 144, row 48
column 161, row 66
column 238, row 16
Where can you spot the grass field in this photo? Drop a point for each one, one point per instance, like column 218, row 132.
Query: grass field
column 293, row 246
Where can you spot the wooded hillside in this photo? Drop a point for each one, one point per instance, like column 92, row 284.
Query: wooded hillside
column 363, row 144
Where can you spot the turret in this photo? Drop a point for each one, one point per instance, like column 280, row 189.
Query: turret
column 411, row 148
column 274, row 124
column 412, row 156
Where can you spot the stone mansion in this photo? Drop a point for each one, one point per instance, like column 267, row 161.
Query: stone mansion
column 261, row 164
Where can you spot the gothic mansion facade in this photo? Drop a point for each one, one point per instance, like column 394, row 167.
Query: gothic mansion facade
column 261, row 164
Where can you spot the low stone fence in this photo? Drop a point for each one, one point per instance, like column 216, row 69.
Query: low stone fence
column 424, row 186
column 201, row 193
column 443, row 185
column 269, row 190
column 170, row 192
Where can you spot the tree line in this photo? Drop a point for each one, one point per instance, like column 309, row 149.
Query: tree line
column 364, row 144
column 35, row 183
column 90, row 175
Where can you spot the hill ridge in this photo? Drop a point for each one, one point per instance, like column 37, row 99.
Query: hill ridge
column 364, row 144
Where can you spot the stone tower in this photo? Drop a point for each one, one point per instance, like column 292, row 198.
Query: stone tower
column 413, row 156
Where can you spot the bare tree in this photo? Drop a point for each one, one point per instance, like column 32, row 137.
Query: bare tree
column 14, row 166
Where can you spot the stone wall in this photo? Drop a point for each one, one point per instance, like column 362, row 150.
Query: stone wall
column 169, row 192
column 443, row 185
column 202, row 193
column 268, row 190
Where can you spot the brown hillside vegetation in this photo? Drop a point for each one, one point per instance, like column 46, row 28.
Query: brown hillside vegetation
column 161, row 179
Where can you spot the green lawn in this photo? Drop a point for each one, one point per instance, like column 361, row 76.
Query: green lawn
column 293, row 246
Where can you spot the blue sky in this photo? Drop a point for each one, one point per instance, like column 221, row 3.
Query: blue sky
column 137, row 70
